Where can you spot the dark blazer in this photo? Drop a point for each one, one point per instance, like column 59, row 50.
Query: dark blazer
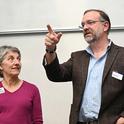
column 76, row 69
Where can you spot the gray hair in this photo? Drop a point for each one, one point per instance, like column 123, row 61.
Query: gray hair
column 4, row 50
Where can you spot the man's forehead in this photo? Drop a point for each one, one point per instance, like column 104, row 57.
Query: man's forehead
column 91, row 15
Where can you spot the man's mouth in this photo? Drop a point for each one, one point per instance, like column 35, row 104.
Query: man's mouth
column 87, row 34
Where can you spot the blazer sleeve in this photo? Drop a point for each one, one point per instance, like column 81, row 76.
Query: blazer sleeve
column 58, row 72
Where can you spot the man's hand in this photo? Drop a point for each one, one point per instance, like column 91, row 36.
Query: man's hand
column 51, row 38
column 120, row 120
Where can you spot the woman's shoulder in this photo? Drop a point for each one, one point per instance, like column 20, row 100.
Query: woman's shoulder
column 29, row 84
column 1, row 84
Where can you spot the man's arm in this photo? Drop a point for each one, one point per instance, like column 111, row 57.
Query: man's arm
column 51, row 40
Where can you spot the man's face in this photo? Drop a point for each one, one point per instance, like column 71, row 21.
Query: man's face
column 93, row 27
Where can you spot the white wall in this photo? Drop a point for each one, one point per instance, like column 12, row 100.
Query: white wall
column 56, row 98
column 35, row 14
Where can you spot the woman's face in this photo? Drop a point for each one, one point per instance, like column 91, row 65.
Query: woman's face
column 11, row 64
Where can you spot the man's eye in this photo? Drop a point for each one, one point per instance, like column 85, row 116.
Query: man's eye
column 90, row 22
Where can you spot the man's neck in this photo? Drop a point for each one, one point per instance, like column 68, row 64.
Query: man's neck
column 99, row 47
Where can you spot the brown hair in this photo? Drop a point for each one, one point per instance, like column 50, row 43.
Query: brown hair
column 104, row 16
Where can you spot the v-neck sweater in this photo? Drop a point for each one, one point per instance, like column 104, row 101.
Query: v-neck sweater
column 22, row 106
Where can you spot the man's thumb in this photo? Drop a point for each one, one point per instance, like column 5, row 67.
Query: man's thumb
column 59, row 35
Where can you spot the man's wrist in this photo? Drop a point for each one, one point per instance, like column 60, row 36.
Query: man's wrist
column 49, row 50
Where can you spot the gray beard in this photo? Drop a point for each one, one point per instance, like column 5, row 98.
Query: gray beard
column 90, row 40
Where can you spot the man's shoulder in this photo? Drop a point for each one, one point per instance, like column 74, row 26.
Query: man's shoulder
column 117, row 46
column 79, row 53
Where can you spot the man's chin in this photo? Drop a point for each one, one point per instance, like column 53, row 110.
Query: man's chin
column 89, row 39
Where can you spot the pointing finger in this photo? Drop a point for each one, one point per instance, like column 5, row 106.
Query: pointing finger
column 50, row 30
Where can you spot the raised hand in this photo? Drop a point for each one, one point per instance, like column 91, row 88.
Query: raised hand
column 52, row 38
column 120, row 120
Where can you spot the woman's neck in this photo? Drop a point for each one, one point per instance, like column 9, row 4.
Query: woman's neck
column 12, row 84
column 11, row 81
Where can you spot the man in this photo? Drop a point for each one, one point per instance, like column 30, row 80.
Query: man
column 97, row 73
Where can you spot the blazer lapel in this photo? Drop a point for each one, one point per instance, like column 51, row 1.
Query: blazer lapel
column 110, row 59
column 113, row 51
column 85, row 63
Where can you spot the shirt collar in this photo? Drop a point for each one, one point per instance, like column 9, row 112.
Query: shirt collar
column 88, row 49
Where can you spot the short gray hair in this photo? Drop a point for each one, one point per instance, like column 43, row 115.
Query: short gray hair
column 4, row 50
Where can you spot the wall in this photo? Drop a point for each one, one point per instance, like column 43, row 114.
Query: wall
column 35, row 14
column 27, row 18
column 56, row 98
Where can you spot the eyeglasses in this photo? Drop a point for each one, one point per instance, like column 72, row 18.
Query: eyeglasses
column 89, row 23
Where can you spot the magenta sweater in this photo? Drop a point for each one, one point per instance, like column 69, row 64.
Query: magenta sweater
column 22, row 106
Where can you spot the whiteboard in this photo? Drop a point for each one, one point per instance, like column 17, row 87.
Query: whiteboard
column 36, row 14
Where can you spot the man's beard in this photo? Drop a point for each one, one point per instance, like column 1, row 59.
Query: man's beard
column 89, row 36
column 90, row 39
column 92, row 36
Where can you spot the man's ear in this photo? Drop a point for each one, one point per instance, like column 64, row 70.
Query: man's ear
column 106, row 26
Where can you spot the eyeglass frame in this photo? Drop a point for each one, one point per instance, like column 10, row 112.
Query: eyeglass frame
column 89, row 22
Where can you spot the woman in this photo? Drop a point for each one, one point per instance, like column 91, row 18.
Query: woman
column 19, row 100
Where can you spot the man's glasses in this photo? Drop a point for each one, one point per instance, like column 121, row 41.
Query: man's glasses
column 89, row 23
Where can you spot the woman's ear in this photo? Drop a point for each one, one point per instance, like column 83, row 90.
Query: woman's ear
column 1, row 68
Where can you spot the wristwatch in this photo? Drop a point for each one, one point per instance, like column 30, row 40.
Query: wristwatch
column 50, row 50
